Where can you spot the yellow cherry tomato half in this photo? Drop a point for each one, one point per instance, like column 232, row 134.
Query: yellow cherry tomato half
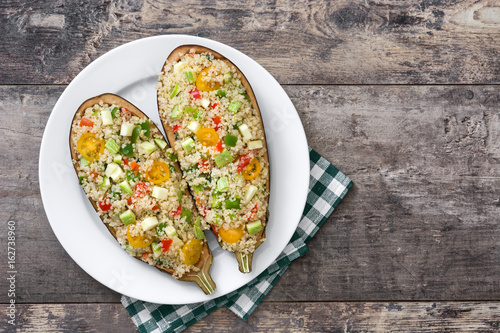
column 191, row 251
column 139, row 240
column 231, row 235
column 90, row 146
column 158, row 172
column 207, row 136
column 252, row 170
column 206, row 81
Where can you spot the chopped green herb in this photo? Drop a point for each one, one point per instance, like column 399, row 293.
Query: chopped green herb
column 172, row 157
column 147, row 128
column 189, row 109
column 238, row 123
column 131, row 176
column 135, row 134
column 220, row 93
column 234, row 106
column 114, row 112
column 176, row 113
column 160, row 229
column 245, row 96
column 198, row 115
column 81, row 179
column 127, row 150
column 187, row 214
column 189, row 77
column 198, row 188
column 175, row 91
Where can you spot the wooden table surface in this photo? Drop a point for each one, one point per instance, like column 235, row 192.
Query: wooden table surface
column 402, row 96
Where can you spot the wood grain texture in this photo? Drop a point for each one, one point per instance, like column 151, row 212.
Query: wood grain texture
column 323, row 42
column 281, row 317
column 421, row 223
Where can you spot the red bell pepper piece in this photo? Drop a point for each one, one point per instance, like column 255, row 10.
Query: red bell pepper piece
column 195, row 93
column 165, row 244
column 243, row 162
column 178, row 211
column 105, row 205
column 86, row 122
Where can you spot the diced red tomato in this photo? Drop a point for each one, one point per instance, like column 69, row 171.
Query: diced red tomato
column 155, row 207
column 125, row 161
column 243, row 162
column 105, row 204
column 141, row 189
column 130, row 201
column 216, row 121
column 86, row 122
column 125, row 113
column 214, row 105
column 195, row 93
column 218, row 147
column 146, row 256
column 215, row 229
column 165, row 244
column 135, row 167
column 204, row 165
column 204, row 211
column 251, row 214
column 178, row 211
column 176, row 127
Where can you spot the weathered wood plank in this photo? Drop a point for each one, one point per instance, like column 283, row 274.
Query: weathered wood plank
column 104, row 317
column 280, row 317
column 325, row 42
column 421, row 223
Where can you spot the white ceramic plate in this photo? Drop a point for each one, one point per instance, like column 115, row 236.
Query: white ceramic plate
column 131, row 71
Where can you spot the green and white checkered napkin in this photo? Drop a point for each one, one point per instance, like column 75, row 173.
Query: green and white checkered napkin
column 327, row 186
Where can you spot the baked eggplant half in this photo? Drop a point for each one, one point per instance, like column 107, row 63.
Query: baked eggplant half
column 131, row 177
column 213, row 122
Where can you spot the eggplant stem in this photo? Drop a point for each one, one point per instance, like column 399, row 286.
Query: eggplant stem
column 204, row 280
column 244, row 261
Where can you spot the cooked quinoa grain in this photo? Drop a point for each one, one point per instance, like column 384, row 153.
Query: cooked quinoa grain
column 220, row 143
column 127, row 169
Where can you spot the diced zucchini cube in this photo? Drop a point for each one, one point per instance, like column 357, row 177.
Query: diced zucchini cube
column 222, row 184
column 127, row 217
column 205, row 102
column 148, row 146
column 162, row 144
column 107, row 118
column 245, row 132
column 255, row 144
column 170, row 231
column 250, row 192
column 194, row 126
column 254, row 227
column 126, row 187
column 114, row 171
column 188, row 145
column 160, row 193
column 127, row 129
column 149, row 223
column 105, row 182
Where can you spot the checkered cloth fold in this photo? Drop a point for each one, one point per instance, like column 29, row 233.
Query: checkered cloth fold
column 327, row 186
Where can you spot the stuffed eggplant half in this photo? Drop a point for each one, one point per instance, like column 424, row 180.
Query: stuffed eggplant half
column 212, row 120
column 131, row 177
